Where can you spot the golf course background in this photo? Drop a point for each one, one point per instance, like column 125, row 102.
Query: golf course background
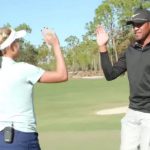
column 66, row 114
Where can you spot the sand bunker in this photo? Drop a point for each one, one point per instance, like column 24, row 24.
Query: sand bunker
column 112, row 111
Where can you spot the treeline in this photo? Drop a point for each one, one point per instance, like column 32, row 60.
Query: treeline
column 82, row 55
column 112, row 14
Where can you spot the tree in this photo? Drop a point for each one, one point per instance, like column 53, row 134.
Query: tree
column 113, row 15
column 106, row 10
column 28, row 54
column 72, row 41
column 24, row 26
column 72, row 44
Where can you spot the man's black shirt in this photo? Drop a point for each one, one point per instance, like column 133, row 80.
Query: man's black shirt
column 136, row 61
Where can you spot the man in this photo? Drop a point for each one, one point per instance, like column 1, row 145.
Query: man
column 17, row 116
column 135, row 129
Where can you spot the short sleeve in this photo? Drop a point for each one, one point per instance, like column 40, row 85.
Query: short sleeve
column 33, row 73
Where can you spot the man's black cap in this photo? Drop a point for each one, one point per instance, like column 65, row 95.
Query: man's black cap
column 140, row 16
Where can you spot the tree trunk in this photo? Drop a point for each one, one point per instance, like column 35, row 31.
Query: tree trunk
column 115, row 50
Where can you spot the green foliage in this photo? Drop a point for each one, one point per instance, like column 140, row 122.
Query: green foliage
column 7, row 25
column 28, row 53
column 45, row 57
column 83, row 54
column 113, row 14
column 24, row 26
column 72, row 41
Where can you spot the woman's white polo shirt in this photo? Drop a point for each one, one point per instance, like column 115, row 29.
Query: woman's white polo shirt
column 16, row 94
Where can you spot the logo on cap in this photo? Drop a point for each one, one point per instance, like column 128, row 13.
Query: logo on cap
column 135, row 15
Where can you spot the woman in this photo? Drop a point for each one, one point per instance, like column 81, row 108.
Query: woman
column 17, row 118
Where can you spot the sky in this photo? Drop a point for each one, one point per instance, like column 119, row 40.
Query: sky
column 65, row 17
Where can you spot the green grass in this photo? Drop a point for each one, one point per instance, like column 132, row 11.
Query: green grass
column 66, row 114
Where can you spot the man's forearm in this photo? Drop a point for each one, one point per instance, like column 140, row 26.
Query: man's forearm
column 112, row 72
column 106, row 65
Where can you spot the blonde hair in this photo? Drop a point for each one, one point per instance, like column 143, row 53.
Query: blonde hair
column 4, row 34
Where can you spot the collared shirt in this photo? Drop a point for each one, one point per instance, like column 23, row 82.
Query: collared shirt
column 16, row 94
column 136, row 61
